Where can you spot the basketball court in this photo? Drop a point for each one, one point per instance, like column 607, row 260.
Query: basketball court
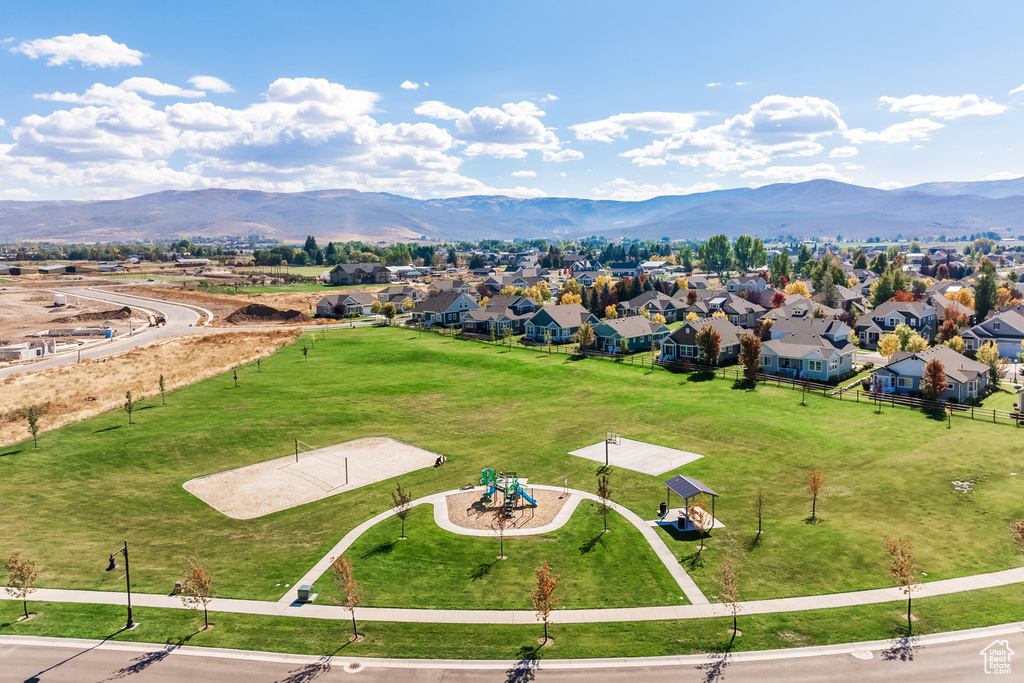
column 636, row 455
column 307, row 475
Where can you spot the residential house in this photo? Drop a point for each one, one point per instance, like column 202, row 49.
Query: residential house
column 739, row 311
column 654, row 302
column 702, row 282
column 941, row 305
column 681, row 345
column 345, row 305
column 584, row 266
column 746, row 283
column 814, row 349
column 519, row 305
column 884, row 319
column 1006, row 329
column 639, row 333
column 561, row 322
column 360, row 274
column 448, row 286
column 495, row 319
column 587, row 278
column 846, row 298
column 446, row 309
column 627, row 269
column 399, row 292
column 965, row 378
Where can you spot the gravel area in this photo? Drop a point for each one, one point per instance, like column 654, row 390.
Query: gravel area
column 466, row 509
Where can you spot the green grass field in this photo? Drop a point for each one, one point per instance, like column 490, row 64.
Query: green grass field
column 93, row 484
column 435, row 569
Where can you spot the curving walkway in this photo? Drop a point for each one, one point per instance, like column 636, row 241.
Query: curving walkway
column 686, row 584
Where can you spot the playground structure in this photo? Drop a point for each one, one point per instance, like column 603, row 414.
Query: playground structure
column 509, row 485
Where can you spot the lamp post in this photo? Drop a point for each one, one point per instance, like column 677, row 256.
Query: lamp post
column 128, row 581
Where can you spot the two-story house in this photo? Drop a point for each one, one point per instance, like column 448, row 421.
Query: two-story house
column 444, row 310
column 965, row 378
column 817, row 349
column 1006, row 329
column 887, row 316
column 639, row 333
column 560, row 322
column 681, row 345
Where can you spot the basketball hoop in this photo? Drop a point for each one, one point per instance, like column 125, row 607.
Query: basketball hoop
column 610, row 438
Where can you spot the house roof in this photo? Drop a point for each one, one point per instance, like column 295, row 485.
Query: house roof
column 688, row 487
column 440, row 303
column 918, row 309
column 505, row 300
column 957, row 367
column 729, row 333
column 566, row 315
column 809, row 325
column 632, row 326
column 364, row 298
column 802, row 344
column 1011, row 324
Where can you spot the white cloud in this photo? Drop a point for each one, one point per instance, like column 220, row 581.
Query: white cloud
column 152, row 86
column 1003, row 175
column 741, row 83
column 794, row 174
column 947, row 108
column 777, row 126
column 713, row 85
column 918, row 129
column 1017, row 90
column 843, row 152
column 548, row 98
column 524, row 174
column 853, row 167
column 622, row 189
column 890, row 185
column 211, row 84
column 409, row 85
column 17, row 193
column 657, row 122
column 81, row 47
column 506, row 133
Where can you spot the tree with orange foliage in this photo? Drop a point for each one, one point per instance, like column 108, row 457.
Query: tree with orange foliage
column 933, row 381
column 544, row 599
column 778, row 299
column 908, row 297
column 197, row 588
column 350, row 589
column 903, row 570
column 815, row 483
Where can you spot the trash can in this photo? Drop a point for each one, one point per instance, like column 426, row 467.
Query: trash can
column 662, row 509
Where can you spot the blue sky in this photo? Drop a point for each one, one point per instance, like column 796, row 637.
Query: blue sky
column 591, row 99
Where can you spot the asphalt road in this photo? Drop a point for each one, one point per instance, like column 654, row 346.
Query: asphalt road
column 82, row 661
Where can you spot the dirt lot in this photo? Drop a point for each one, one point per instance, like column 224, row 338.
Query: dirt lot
column 74, row 392
column 223, row 305
column 29, row 310
column 467, row 510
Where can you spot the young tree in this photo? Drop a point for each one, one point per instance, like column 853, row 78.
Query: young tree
column 798, row 287
column 604, row 492
column 1017, row 531
column 750, row 353
column 903, row 570
column 544, row 599
column 610, row 313
column 401, row 503
column 33, row 425
column 623, row 346
column 350, row 589
column 989, row 355
column 957, row 343
column 933, row 381
column 709, row 342
column 129, row 405
column 234, row 373
column 729, row 589
column 815, row 483
column 760, row 505
column 500, row 520
column 21, row 579
column 888, row 345
column 778, row 300
column 701, row 519
column 547, row 340
column 691, row 316
column 197, row 588
column 389, row 312
column 376, row 308
column 163, row 401
column 584, row 336
column 506, row 336
column 305, row 353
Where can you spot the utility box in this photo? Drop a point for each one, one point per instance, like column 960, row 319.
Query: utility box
column 60, row 299
column 306, row 593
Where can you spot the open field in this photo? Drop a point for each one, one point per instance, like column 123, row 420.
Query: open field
column 476, row 641
column 93, row 483
column 222, row 301
column 74, row 392
column 23, row 311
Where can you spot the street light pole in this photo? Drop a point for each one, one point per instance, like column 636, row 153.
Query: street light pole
column 128, row 581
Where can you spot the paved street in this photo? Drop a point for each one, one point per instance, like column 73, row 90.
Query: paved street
column 954, row 657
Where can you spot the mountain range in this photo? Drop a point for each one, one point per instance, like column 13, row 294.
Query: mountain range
column 816, row 208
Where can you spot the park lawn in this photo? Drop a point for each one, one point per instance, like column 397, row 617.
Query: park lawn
column 1002, row 398
column 93, row 484
column 436, row 569
column 985, row 607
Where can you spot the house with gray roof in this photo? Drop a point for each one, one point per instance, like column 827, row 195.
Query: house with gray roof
column 817, row 350
column 444, row 310
column 965, row 378
column 345, row 305
column 560, row 322
column 887, row 316
column 639, row 333
column 681, row 345
column 1006, row 329
column 359, row 274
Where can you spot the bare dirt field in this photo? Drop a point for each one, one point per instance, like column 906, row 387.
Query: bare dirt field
column 74, row 392
column 23, row 311
column 467, row 510
column 282, row 483
column 223, row 305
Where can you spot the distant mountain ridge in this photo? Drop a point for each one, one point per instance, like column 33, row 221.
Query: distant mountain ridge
column 808, row 209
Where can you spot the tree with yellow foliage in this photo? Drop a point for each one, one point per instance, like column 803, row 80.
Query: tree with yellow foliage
column 545, row 291
column 798, row 287
column 483, row 301
column 691, row 316
column 644, row 313
column 917, row 343
column 683, row 283
column 956, row 343
column 659, row 318
column 853, row 282
column 1004, row 297
column 610, row 313
column 888, row 345
column 718, row 314
column 570, row 298
column 962, row 296
column 601, row 281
